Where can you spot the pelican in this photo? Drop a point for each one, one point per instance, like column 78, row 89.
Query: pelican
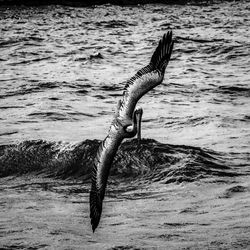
column 127, row 121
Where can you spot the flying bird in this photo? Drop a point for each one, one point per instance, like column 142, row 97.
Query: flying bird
column 126, row 123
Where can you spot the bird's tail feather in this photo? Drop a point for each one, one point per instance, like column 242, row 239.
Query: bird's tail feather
column 162, row 54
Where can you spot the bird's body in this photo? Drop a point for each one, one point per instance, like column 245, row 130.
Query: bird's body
column 125, row 122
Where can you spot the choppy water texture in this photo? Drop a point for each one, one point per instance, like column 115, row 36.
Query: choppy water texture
column 61, row 74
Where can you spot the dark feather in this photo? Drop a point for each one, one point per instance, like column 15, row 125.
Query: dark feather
column 95, row 207
column 162, row 54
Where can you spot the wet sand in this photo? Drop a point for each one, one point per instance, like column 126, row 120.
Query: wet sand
column 44, row 213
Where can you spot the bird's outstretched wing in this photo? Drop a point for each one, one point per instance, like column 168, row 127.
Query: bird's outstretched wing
column 144, row 80
column 148, row 77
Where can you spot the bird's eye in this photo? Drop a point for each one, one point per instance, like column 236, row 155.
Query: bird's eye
column 128, row 128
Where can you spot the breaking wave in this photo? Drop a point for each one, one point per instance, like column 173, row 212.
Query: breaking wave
column 151, row 161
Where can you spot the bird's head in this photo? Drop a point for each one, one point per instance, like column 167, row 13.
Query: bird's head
column 131, row 128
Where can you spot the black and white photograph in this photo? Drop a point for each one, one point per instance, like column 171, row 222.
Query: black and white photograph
column 124, row 124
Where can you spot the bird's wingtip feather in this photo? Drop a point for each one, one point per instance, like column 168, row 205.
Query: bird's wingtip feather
column 95, row 208
column 162, row 53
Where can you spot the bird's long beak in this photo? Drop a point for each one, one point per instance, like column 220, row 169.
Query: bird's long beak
column 138, row 120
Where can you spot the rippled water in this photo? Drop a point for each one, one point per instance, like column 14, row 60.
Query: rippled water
column 61, row 75
column 55, row 86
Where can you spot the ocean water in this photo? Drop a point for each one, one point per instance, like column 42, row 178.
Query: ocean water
column 62, row 71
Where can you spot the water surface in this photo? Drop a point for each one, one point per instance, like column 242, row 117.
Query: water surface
column 62, row 71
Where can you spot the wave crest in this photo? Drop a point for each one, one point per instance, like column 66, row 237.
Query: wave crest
column 152, row 161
